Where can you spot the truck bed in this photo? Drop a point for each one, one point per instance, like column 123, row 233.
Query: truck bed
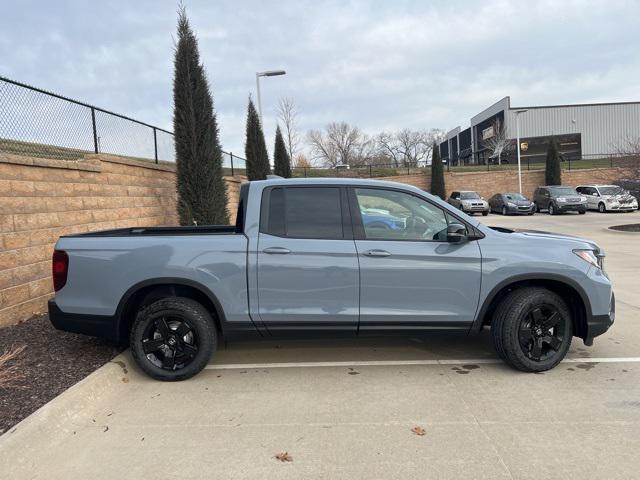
column 162, row 231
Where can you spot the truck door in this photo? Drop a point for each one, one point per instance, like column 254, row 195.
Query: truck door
column 411, row 278
column 307, row 267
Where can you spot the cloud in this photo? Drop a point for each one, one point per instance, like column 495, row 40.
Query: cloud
column 380, row 65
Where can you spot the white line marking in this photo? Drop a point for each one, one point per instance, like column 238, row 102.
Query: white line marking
column 398, row 363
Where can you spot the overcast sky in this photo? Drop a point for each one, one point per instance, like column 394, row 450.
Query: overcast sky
column 380, row 65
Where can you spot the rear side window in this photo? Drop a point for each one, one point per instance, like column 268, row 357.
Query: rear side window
column 305, row 212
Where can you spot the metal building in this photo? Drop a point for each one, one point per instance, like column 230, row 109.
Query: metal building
column 581, row 130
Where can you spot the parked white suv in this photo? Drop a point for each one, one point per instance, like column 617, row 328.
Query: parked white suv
column 469, row 202
column 607, row 198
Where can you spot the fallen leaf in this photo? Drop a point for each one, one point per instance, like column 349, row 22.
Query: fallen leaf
column 284, row 457
column 419, row 431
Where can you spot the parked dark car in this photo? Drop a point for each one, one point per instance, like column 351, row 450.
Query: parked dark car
column 558, row 199
column 511, row 203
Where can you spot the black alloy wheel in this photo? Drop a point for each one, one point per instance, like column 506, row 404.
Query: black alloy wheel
column 541, row 332
column 169, row 341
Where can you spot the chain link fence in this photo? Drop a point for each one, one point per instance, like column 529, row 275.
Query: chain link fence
column 38, row 123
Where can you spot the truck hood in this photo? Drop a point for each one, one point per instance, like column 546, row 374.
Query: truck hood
column 579, row 241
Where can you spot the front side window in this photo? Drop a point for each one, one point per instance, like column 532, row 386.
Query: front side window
column 305, row 212
column 392, row 215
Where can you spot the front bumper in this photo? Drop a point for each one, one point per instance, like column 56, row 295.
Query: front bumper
column 622, row 207
column 599, row 324
column 520, row 210
column 93, row 325
column 475, row 208
column 574, row 207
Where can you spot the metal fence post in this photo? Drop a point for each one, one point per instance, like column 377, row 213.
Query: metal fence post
column 304, row 169
column 95, row 131
column 231, row 155
column 155, row 144
column 370, row 171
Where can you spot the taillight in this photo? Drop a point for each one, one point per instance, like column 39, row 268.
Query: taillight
column 60, row 268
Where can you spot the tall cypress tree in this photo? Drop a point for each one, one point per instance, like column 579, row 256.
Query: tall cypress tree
column 552, row 172
column 202, row 193
column 437, row 174
column 281, row 160
column 255, row 149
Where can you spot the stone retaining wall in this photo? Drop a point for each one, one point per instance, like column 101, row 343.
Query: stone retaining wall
column 42, row 199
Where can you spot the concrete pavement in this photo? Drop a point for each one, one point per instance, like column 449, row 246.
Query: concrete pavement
column 349, row 420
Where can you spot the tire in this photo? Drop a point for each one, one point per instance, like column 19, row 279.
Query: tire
column 173, row 324
column 552, row 209
column 504, row 211
column 602, row 207
column 518, row 329
column 485, row 213
column 536, row 208
column 582, row 212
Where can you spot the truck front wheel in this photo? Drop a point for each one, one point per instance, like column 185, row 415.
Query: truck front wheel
column 173, row 338
column 532, row 329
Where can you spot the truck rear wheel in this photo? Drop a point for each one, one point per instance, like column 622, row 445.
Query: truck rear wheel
column 173, row 338
column 532, row 329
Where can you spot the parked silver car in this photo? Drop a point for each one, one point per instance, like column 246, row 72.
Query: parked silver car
column 469, row 202
column 607, row 198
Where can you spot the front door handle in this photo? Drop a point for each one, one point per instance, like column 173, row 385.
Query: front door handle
column 276, row 250
column 376, row 253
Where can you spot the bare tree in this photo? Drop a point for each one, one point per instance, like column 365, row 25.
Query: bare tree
column 387, row 146
column 497, row 142
column 340, row 144
column 407, row 147
column 288, row 115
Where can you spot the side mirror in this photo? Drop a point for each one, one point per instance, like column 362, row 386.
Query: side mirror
column 456, row 233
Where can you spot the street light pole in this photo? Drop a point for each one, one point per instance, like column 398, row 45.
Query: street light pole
column 518, row 112
column 268, row 73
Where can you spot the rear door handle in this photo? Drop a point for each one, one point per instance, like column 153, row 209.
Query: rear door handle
column 276, row 250
column 376, row 253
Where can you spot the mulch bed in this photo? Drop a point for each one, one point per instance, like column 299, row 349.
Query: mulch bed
column 631, row 227
column 51, row 362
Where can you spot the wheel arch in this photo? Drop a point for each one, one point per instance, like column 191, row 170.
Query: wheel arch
column 148, row 291
column 570, row 291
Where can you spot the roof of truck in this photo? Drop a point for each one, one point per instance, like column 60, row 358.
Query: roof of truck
column 330, row 181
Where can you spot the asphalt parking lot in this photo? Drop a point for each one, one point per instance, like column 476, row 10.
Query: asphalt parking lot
column 339, row 414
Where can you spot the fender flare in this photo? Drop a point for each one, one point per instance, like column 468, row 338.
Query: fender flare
column 476, row 326
column 131, row 291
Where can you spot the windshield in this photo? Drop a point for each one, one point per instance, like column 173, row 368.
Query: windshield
column 613, row 190
column 469, row 196
column 562, row 191
column 515, row 196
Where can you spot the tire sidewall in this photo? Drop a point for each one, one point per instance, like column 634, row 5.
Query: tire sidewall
column 197, row 317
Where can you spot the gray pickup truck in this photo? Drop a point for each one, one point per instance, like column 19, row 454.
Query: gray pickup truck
column 330, row 256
